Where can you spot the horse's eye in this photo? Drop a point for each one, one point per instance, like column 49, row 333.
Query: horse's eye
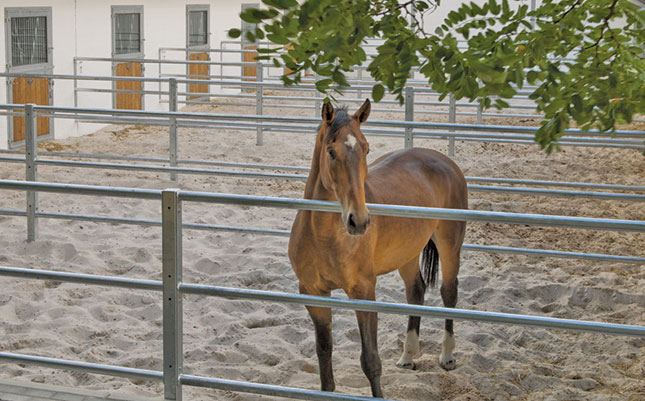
column 332, row 153
column 368, row 150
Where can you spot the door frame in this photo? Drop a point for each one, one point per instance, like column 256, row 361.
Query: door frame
column 135, row 9
column 40, row 68
column 197, row 49
column 245, row 27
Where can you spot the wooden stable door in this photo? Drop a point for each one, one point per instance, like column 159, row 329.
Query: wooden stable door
column 198, row 71
column 249, row 71
column 30, row 90
column 128, row 101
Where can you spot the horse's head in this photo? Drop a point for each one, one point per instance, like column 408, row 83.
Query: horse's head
column 343, row 164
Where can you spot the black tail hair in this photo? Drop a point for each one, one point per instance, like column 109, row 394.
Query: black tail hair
column 429, row 262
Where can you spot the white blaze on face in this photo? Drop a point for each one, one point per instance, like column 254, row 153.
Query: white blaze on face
column 351, row 141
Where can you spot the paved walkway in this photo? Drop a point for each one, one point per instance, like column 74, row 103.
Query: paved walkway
column 15, row 390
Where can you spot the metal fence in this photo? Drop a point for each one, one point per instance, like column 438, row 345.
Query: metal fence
column 230, row 67
column 173, row 119
column 173, row 287
column 407, row 129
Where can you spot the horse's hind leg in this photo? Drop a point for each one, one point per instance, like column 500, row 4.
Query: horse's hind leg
column 449, row 237
column 414, row 292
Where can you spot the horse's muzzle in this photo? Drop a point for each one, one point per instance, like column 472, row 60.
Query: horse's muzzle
column 356, row 225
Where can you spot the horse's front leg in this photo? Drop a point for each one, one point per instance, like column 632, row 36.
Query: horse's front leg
column 322, row 325
column 368, row 327
column 321, row 318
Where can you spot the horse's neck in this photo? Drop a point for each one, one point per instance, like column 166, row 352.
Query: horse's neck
column 314, row 189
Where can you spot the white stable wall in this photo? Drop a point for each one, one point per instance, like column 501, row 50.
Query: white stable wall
column 84, row 29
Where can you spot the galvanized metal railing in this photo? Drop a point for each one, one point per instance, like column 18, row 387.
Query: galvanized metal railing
column 172, row 285
column 413, row 105
column 627, row 139
column 32, row 162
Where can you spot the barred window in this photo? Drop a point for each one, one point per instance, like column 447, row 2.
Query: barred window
column 197, row 28
column 28, row 40
column 127, row 33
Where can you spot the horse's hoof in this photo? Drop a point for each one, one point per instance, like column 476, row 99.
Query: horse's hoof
column 407, row 365
column 450, row 364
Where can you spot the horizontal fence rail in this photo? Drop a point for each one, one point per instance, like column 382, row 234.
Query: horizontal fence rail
column 341, row 303
column 302, row 177
column 151, row 194
column 328, row 206
column 258, row 99
column 286, row 233
column 257, row 166
column 172, row 285
column 75, row 112
column 117, row 371
column 263, row 389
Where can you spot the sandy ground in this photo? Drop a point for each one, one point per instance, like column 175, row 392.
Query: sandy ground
column 273, row 343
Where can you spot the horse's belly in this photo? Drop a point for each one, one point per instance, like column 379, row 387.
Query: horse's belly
column 400, row 240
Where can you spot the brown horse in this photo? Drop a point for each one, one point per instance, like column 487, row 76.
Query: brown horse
column 330, row 250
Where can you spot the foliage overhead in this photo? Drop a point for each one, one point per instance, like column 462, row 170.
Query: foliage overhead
column 583, row 59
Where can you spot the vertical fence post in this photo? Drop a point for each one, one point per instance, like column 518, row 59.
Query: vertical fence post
column 360, row 78
column 173, row 145
column 160, row 52
column 75, row 71
column 172, row 303
column 409, row 116
column 258, row 105
column 30, row 163
column 480, row 114
column 452, row 119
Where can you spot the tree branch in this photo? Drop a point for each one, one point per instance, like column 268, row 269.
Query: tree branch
column 576, row 4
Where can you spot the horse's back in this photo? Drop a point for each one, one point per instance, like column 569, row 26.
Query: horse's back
column 419, row 177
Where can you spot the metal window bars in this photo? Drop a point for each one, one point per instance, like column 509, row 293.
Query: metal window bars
column 28, row 40
column 127, row 34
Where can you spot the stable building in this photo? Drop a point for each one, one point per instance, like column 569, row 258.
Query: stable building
column 44, row 37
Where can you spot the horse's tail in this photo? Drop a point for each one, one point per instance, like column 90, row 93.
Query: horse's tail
column 429, row 262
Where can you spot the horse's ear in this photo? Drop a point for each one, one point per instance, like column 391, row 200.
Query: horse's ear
column 364, row 112
column 328, row 112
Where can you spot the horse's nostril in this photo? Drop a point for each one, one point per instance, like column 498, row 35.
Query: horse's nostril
column 351, row 221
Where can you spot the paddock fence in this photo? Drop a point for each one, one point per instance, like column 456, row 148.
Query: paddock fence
column 172, row 286
column 237, row 91
column 32, row 160
column 232, row 67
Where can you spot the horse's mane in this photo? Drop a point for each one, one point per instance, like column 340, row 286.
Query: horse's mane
column 341, row 119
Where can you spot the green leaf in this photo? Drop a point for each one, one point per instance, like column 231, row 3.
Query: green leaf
column 234, row 33
column 377, row 92
column 278, row 38
column 268, row 50
column 323, row 85
column 281, row 4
